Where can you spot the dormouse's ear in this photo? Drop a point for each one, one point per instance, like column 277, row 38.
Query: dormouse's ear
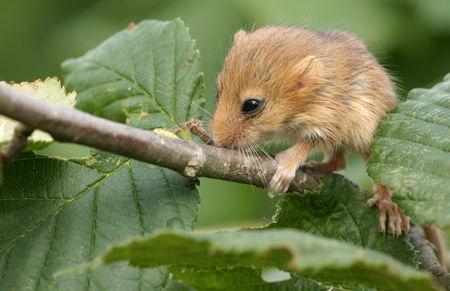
column 238, row 36
column 309, row 74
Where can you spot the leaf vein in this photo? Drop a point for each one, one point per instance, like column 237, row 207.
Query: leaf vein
column 353, row 220
column 140, row 86
column 75, row 197
column 169, row 187
column 136, row 200
column 47, row 252
column 98, row 85
column 93, row 237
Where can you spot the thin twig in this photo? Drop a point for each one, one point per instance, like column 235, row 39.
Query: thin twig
column 18, row 143
column 197, row 128
column 427, row 257
column 70, row 125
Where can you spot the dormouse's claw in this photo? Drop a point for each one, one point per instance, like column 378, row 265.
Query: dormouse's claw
column 382, row 226
column 382, row 221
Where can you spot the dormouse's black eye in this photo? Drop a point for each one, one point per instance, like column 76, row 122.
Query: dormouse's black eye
column 251, row 106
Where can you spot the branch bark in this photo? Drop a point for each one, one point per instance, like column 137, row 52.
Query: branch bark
column 427, row 257
column 193, row 160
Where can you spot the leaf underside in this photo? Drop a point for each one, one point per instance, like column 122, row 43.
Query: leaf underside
column 243, row 278
column 326, row 260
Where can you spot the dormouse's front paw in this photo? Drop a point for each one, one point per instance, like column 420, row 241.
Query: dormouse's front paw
column 280, row 181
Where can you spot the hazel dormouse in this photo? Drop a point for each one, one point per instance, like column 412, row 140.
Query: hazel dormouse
column 316, row 91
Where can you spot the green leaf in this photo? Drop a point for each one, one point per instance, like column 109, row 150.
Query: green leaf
column 151, row 71
column 338, row 210
column 326, row 260
column 49, row 90
column 411, row 154
column 56, row 213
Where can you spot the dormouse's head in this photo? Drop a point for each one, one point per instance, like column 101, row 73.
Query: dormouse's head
column 268, row 78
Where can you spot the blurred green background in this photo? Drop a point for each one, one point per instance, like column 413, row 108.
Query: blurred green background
column 410, row 37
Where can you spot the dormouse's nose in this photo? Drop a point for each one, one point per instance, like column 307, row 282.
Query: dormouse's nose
column 224, row 134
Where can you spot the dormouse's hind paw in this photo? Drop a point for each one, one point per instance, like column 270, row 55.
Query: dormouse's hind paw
column 280, row 182
column 397, row 221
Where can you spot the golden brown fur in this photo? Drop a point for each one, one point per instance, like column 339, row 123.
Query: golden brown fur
column 345, row 95
column 320, row 91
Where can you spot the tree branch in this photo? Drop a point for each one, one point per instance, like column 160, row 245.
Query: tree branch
column 427, row 257
column 194, row 160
